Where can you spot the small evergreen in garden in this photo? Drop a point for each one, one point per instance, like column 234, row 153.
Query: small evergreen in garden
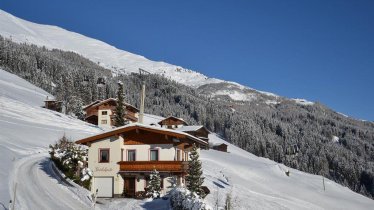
column 154, row 187
column 194, row 178
column 71, row 159
column 120, row 108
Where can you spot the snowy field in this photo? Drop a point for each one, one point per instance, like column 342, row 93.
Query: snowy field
column 26, row 130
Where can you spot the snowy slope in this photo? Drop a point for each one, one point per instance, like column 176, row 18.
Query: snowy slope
column 259, row 183
column 26, row 130
column 119, row 61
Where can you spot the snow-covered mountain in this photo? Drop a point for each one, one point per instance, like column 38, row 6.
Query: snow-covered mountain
column 26, row 130
column 120, row 61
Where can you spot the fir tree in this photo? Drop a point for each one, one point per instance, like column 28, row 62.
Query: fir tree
column 194, row 178
column 154, row 187
column 120, row 108
column 77, row 107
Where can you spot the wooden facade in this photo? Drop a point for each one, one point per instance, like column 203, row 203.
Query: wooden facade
column 221, row 147
column 147, row 166
column 200, row 133
column 109, row 104
column 171, row 121
column 53, row 105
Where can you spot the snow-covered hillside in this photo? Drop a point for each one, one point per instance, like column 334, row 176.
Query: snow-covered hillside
column 259, row 183
column 26, row 130
column 120, row 61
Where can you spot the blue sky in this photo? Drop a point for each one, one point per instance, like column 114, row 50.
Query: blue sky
column 319, row 50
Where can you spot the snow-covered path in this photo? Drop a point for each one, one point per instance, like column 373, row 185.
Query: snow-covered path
column 38, row 187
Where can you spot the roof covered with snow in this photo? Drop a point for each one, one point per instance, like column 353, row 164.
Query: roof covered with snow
column 173, row 117
column 98, row 103
column 189, row 128
column 132, row 126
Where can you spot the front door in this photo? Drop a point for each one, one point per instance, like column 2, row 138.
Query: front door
column 130, row 187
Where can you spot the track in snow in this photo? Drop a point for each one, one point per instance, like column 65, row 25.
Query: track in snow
column 38, row 187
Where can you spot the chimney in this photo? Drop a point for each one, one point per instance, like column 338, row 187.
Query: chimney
column 142, row 98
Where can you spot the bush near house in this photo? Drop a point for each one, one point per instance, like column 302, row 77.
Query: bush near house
column 71, row 159
column 183, row 199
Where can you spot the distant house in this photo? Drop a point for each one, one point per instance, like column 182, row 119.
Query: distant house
column 179, row 124
column 122, row 159
column 220, row 147
column 172, row 122
column 53, row 104
column 102, row 113
column 198, row 131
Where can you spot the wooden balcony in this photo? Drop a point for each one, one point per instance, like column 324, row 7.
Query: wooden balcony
column 161, row 166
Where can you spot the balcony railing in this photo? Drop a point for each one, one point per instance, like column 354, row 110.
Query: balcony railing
column 161, row 166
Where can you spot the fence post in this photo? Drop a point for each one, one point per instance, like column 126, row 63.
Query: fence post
column 94, row 198
column 14, row 196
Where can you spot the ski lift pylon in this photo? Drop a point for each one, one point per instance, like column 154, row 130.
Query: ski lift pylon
column 85, row 80
column 100, row 82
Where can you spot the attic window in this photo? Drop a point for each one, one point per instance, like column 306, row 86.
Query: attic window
column 104, row 112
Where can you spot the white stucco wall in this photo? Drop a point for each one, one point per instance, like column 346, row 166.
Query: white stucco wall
column 166, row 151
column 106, row 169
column 104, row 117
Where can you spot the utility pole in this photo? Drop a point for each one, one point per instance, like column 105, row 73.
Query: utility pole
column 142, row 73
column 142, row 97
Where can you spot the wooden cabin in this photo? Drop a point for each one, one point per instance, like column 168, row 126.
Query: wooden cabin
column 198, row 131
column 122, row 159
column 220, row 147
column 53, row 104
column 172, row 122
column 102, row 113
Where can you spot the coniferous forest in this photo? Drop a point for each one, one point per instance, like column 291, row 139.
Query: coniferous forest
column 300, row 136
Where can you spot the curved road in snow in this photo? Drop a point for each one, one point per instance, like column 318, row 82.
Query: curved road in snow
column 38, row 186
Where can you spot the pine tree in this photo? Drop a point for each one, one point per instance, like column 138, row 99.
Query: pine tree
column 77, row 107
column 194, row 178
column 120, row 109
column 154, row 187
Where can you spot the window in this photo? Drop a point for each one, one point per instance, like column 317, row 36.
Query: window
column 131, row 155
column 104, row 112
column 154, row 154
column 104, row 121
column 103, row 155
